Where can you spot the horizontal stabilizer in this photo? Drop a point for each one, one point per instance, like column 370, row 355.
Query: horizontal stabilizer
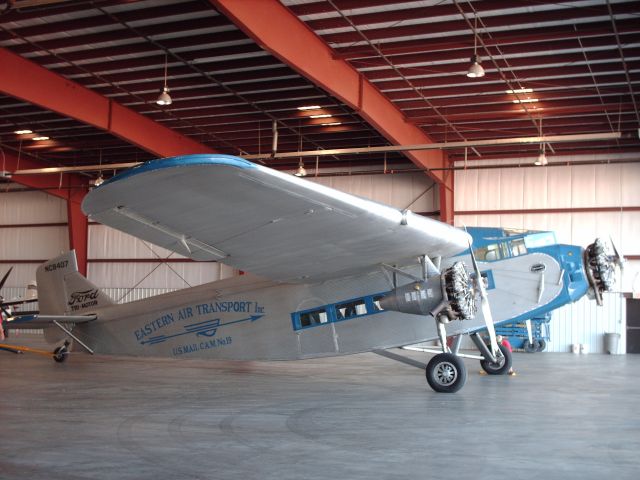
column 42, row 321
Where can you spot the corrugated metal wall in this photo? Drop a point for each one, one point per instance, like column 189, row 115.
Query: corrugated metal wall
column 144, row 270
column 590, row 187
column 34, row 243
column 413, row 191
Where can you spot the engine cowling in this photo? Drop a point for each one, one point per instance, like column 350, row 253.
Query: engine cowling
column 451, row 294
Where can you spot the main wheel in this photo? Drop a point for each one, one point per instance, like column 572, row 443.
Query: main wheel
column 60, row 354
column 446, row 373
column 502, row 366
column 542, row 344
column 531, row 347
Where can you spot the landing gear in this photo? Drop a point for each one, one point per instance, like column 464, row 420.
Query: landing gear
column 60, row 354
column 446, row 373
column 501, row 366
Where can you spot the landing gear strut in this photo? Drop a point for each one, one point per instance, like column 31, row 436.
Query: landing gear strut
column 446, row 372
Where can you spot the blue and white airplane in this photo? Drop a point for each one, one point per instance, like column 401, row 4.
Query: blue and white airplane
column 330, row 273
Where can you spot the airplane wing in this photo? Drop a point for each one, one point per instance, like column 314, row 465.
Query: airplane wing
column 224, row 208
column 42, row 321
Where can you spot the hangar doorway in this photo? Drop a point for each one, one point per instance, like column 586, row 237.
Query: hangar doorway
column 633, row 325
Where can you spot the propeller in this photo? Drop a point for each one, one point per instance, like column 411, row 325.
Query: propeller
column 618, row 259
column 5, row 312
column 2, row 282
column 484, row 304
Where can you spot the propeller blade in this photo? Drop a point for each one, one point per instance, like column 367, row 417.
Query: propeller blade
column 4, row 279
column 620, row 260
column 484, row 303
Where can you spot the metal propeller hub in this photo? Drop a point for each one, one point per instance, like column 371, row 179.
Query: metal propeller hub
column 601, row 266
column 460, row 291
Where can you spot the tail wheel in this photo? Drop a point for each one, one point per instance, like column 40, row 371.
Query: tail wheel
column 502, row 366
column 60, row 354
column 446, row 373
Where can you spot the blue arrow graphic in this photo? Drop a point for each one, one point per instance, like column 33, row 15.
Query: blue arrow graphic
column 208, row 328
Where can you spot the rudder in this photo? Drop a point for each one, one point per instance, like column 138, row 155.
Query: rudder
column 63, row 290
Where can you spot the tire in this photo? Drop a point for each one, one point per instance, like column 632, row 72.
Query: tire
column 446, row 373
column 542, row 344
column 530, row 347
column 60, row 354
column 500, row 368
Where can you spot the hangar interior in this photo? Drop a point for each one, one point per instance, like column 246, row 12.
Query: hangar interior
column 83, row 78
column 520, row 115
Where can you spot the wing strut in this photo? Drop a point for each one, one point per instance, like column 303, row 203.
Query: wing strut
column 68, row 332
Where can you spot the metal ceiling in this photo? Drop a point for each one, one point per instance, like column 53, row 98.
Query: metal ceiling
column 580, row 59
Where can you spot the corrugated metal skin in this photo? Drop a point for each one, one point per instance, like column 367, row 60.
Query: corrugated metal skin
column 124, row 295
column 567, row 187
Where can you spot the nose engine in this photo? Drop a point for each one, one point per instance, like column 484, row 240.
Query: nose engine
column 600, row 268
column 450, row 295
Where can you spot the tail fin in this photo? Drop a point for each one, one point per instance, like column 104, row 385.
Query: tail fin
column 62, row 289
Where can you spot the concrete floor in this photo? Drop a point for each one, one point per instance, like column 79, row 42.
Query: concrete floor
column 357, row 417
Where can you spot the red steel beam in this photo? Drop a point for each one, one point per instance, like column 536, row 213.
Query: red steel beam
column 273, row 26
column 25, row 80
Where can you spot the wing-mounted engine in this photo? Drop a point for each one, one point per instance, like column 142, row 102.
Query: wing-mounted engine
column 600, row 268
column 450, row 294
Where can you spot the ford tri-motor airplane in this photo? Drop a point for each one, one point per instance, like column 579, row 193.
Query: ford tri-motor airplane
column 330, row 273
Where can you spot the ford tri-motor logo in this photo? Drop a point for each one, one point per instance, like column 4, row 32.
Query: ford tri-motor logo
column 82, row 297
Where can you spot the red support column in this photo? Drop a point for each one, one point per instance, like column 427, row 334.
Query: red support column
column 446, row 198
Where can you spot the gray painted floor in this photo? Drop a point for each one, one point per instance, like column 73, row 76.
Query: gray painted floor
column 358, row 417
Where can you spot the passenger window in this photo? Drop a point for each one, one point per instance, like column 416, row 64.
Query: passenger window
column 314, row 317
column 376, row 303
column 351, row 309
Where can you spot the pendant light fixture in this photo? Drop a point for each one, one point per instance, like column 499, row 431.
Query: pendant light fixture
column 542, row 158
column 301, row 171
column 164, row 98
column 475, row 69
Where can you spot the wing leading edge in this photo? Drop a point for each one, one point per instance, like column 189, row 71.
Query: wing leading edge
column 220, row 207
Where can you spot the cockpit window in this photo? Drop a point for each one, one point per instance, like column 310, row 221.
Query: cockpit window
column 491, row 253
column 517, row 247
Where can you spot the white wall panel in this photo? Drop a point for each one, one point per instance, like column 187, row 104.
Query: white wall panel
column 558, row 187
column 156, row 275
column 31, row 207
column 535, row 185
column 465, row 187
column 630, row 185
column 33, row 243
column 583, row 186
column 107, row 242
column 608, row 184
column 414, row 191
column 20, row 276
column 584, row 322
column 511, row 191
